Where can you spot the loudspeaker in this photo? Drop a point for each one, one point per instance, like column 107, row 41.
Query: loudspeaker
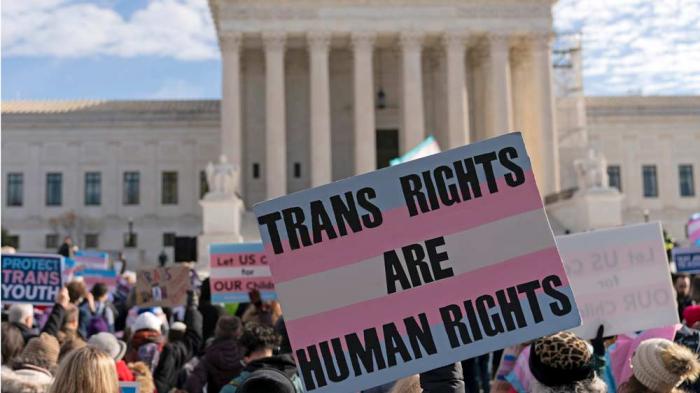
column 185, row 249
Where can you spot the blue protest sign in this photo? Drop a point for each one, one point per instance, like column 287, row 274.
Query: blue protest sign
column 687, row 259
column 31, row 278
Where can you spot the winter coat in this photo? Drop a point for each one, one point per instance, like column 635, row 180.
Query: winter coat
column 210, row 314
column 283, row 363
column 447, row 379
column 221, row 363
column 27, row 379
column 176, row 354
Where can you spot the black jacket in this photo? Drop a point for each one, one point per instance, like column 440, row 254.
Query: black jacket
column 55, row 321
column 176, row 354
column 447, row 379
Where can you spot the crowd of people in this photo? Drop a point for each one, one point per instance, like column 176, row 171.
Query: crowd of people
column 89, row 341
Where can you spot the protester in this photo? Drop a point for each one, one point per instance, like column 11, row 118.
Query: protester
column 681, row 284
column 114, row 348
column 66, row 248
column 266, row 313
column 660, row 366
column 63, row 321
column 77, row 292
column 32, row 371
column 100, row 311
column 146, row 342
column 69, row 346
column 22, row 316
column 12, row 343
column 221, row 361
column 86, row 370
column 263, row 371
column 562, row 362
column 177, row 332
column 176, row 354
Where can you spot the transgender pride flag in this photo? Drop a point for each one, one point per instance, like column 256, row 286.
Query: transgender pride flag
column 91, row 259
column 415, row 266
column 694, row 229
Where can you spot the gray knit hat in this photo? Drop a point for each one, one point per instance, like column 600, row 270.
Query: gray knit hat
column 661, row 365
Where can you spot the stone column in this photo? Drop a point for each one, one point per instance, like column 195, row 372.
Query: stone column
column 320, row 109
column 544, row 97
column 412, row 118
column 275, row 119
column 457, row 96
column 231, row 137
column 500, row 111
column 365, row 144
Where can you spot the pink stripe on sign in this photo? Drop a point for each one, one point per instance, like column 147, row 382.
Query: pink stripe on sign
column 241, row 285
column 237, row 260
column 427, row 298
column 399, row 229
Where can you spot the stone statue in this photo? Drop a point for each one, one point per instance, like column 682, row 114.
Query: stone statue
column 591, row 172
column 222, row 179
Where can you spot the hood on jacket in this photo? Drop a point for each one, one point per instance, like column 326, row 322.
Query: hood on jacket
column 25, row 381
column 284, row 363
column 224, row 354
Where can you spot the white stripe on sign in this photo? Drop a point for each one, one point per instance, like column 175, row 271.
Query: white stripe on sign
column 512, row 242
column 240, row 272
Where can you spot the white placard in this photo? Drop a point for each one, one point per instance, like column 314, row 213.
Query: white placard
column 620, row 278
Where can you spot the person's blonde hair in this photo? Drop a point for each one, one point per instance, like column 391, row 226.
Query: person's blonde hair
column 86, row 370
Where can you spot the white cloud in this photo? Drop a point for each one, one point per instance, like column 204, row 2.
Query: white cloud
column 180, row 29
column 632, row 46
column 173, row 89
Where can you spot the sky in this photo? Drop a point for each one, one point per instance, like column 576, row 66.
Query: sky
column 167, row 49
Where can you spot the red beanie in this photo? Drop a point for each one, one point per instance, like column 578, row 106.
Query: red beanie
column 691, row 314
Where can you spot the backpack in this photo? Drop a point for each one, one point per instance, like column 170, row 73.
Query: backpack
column 98, row 323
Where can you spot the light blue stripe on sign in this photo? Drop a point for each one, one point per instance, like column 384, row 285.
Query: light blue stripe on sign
column 235, row 248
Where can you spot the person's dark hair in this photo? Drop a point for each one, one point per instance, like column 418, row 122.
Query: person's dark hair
column 76, row 291
column 12, row 342
column 228, row 327
column 98, row 290
column 680, row 275
column 256, row 337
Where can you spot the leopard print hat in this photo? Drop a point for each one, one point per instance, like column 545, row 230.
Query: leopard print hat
column 560, row 359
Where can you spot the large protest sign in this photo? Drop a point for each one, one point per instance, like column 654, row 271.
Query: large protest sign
column 31, row 278
column 236, row 269
column 415, row 266
column 163, row 286
column 91, row 259
column 687, row 259
column 620, row 278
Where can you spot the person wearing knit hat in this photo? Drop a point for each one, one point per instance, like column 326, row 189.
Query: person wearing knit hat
column 33, row 369
column 660, row 366
column 562, row 363
column 147, row 341
column 116, row 349
column 691, row 316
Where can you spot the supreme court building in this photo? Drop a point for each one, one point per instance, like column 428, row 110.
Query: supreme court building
column 315, row 91
column 318, row 90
